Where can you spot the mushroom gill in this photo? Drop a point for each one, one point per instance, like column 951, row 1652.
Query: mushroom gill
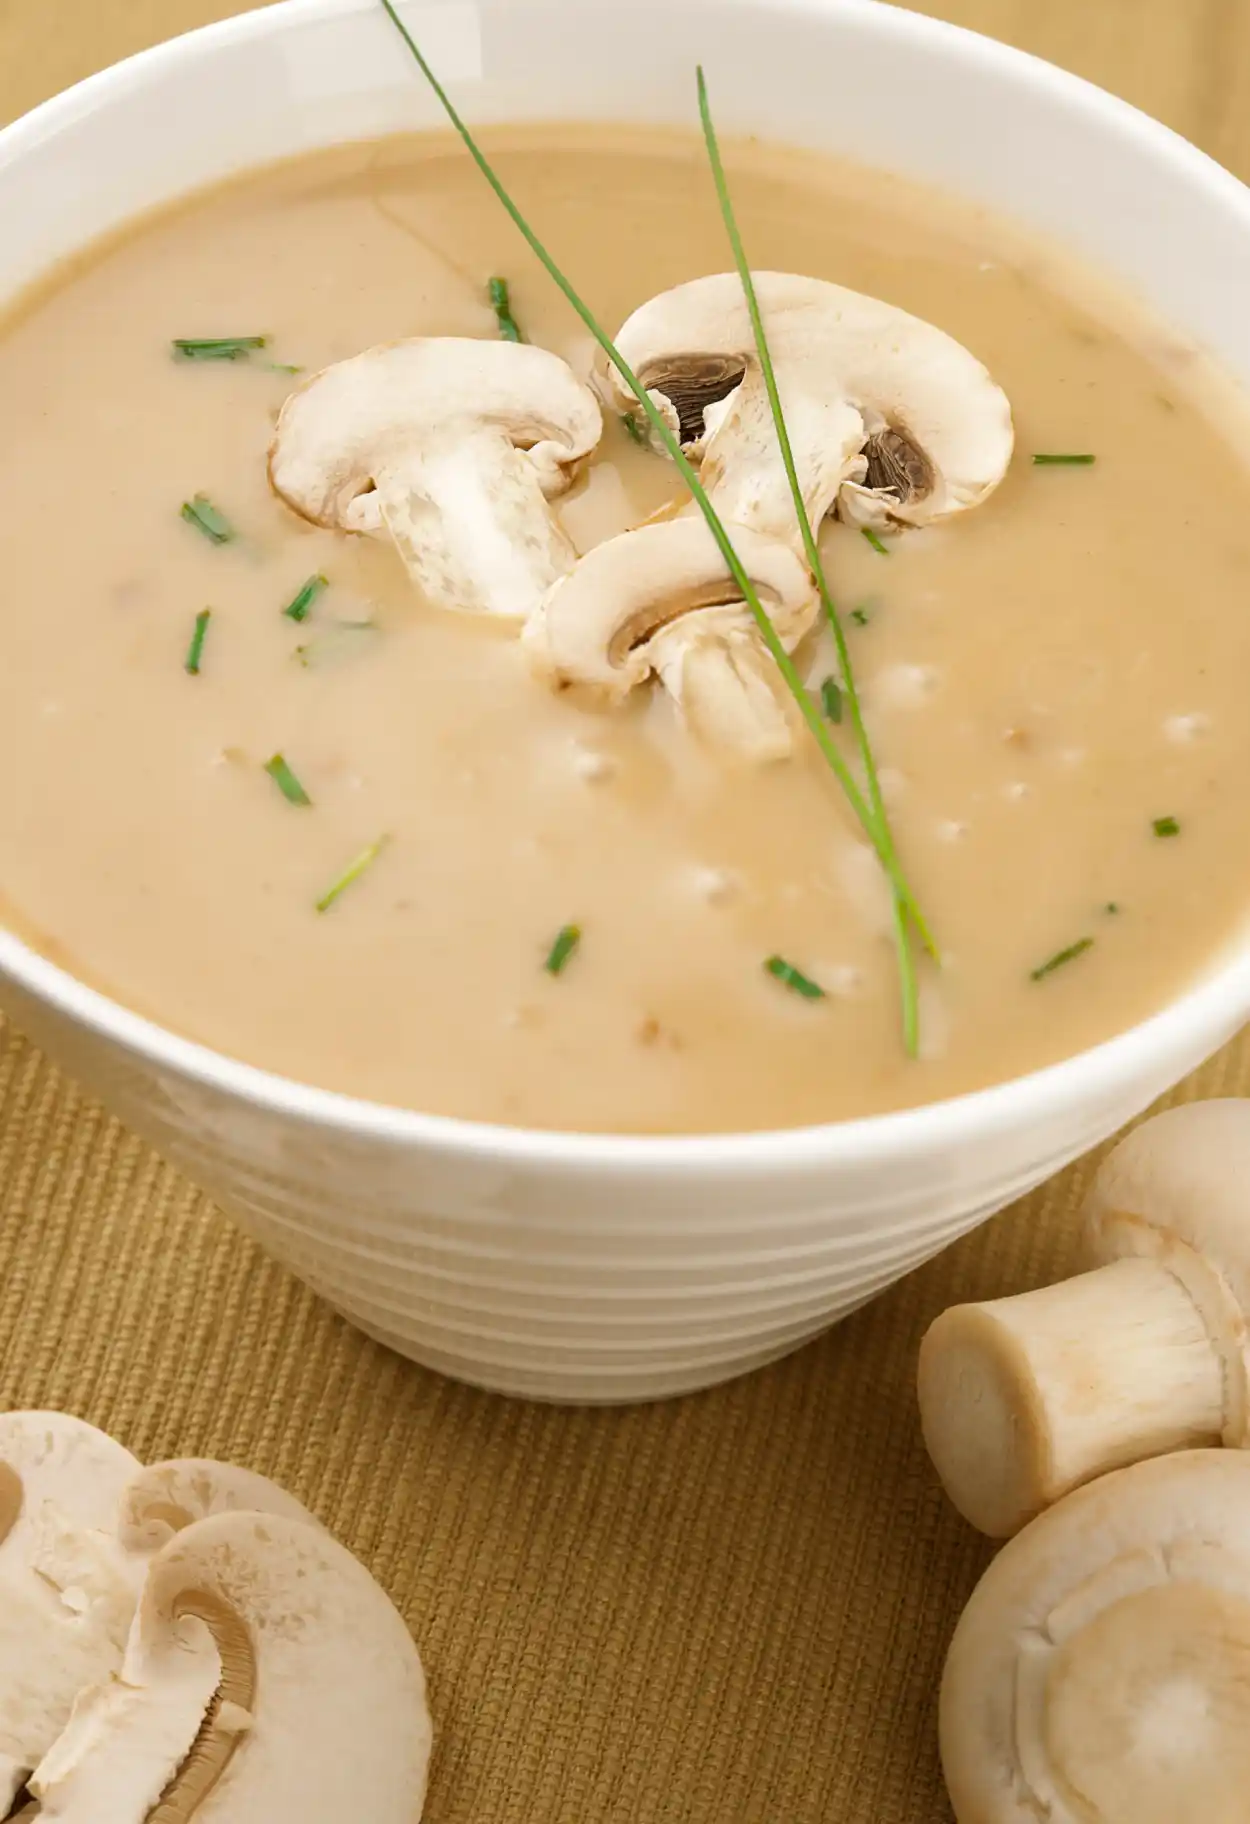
column 229, row 1713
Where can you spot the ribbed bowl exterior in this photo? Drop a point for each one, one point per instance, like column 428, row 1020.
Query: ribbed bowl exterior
column 569, row 1268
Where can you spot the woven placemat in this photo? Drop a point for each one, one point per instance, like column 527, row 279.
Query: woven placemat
column 730, row 1609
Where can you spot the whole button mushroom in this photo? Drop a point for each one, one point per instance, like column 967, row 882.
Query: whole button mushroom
column 892, row 422
column 453, row 448
column 67, row 1592
column 1100, row 1673
column 1024, row 1398
column 660, row 602
column 267, row 1679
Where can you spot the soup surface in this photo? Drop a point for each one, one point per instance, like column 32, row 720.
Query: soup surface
column 1055, row 683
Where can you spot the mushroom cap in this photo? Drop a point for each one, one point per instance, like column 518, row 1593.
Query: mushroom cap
column 66, row 1592
column 1177, row 1190
column 936, row 432
column 597, row 625
column 1100, row 1673
column 267, row 1677
column 164, row 1498
column 351, row 424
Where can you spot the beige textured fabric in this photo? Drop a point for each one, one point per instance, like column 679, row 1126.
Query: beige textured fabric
column 731, row 1609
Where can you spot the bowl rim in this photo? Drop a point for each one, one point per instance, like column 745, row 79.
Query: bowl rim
column 1192, row 1019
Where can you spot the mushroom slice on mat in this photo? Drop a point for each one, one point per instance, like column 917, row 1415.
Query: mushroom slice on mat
column 892, row 421
column 267, row 1678
column 67, row 1592
column 454, row 448
column 660, row 602
column 1024, row 1398
column 165, row 1498
column 1100, row 1673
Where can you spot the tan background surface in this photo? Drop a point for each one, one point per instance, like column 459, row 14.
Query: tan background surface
column 727, row 1610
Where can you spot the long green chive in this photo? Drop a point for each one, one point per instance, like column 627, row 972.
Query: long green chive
column 1063, row 461
column 297, row 608
column 200, row 512
column 874, row 541
column 352, row 872
column 1166, row 826
column 217, row 348
column 196, row 648
column 567, row 938
column 870, row 819
column 786, row 973
column 501, row 304
column 876, row 823
column 1061, row 957
column 831, row 697
column 286, row 781
column 337, row 641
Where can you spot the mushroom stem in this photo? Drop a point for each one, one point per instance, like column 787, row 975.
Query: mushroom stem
column 468, row 516
column 1024, row 1398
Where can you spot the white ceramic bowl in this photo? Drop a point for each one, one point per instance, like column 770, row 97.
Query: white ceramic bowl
column 575, row 1267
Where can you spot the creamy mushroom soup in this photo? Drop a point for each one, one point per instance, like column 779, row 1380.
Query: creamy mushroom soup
column 265, row 789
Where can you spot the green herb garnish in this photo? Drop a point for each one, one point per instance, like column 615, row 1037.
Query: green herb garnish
column 634, row 430
column 859, row 616
column 831, row 697
column 195, row 649
column 1061, row 957
column 1063, row 461
column 297, row 608
column 869, row 811
column 785, row 972
column 568, row 937
column 874, row 541
column 352, row 872
column 337, row 639
column 200, row 512
column 1166, row 826
column 217, row 348
column 501, row 304
column 286, row 781
column 1111, row 908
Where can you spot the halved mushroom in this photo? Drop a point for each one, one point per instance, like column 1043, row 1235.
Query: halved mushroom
column 267, row 1678
column 165, row 1498
column 660, row 601
column 1023, row 1398
column 67, row 1593
column 453, row 447
column 892, row 421
column 1100, row 1673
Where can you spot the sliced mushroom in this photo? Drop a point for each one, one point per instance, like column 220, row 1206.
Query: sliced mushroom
column 893, row 422
column 1023, row 1398
column 453, row 447
column 165, row 1498
column 660, row 601
column 267, row 1678
column 1100, row 1673
column 67, row 1593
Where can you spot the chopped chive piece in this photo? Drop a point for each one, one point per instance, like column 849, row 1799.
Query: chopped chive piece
column 501, row 304
column 196, row 648
column 286, row 781
column 568, row 937
column 352, row 872
column 1062, row 461
column 1166, row 826
column 859, row 616
column 284, row 367
column 1061, row 957
column 1111, row 908
column 217, row 348
column 790, row 977
column 634, row 430
column 874, row 541
column 831, row 697
column 297, row 608
column 200, row 512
